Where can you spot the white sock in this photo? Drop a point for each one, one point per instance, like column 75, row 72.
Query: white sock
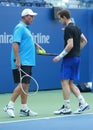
column 24, row 106
column 67, row 103
column 81, row 99
column 11, row 103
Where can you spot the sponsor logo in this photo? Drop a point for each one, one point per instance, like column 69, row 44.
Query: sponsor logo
column 37, row 38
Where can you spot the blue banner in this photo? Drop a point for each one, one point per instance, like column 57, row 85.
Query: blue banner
column 48, row 33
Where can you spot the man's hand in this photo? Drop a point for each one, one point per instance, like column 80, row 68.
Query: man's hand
column 57, row 58
column 18, row 65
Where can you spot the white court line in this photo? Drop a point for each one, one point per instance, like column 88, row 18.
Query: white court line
column 46, row 118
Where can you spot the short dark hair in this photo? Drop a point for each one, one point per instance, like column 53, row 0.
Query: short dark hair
column 63, row 13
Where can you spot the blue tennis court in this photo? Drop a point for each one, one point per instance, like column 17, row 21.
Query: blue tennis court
column 77, row 122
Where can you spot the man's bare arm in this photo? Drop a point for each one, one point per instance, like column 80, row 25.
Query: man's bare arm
column 16, row 52
column 67, row 49
column 83, row 41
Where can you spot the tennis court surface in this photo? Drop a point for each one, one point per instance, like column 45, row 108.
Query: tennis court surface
column 78, row 122
column 44, row 103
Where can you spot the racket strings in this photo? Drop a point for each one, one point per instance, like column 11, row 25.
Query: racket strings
column 24, row 75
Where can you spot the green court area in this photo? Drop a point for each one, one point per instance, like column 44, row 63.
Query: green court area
column 44, row 103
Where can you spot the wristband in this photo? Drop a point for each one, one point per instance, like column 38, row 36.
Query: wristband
column 63, row 53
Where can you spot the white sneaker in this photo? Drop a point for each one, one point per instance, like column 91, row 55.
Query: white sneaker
column 82, row 108
column 27, row 112
column 9, row 110
column 63, row 110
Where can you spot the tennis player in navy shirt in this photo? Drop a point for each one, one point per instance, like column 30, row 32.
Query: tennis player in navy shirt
column 74, row 40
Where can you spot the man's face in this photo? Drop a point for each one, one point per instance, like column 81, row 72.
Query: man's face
column 28, row 19
column 62, row 20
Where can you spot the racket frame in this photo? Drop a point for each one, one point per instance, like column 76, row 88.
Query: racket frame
column 21, row 78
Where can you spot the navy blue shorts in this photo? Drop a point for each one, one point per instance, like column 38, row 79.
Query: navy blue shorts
column 70, row 69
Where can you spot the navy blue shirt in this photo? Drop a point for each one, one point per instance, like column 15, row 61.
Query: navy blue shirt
column 72, row 31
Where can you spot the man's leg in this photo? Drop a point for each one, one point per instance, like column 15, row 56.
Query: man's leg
column 24, row 96
column 82, row 103
column 10, row 107
column 25, row 111
column 16, row 93
column 66, row 89
column 65, row 109
column 76, row 91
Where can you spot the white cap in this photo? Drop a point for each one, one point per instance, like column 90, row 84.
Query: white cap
column 28, row 12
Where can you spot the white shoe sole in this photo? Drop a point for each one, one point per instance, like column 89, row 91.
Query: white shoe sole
column 64, row 113
column 84, row 109
column 22, row 114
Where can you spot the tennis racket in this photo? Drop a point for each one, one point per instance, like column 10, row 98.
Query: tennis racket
column 33, row 83
column 48, row 54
